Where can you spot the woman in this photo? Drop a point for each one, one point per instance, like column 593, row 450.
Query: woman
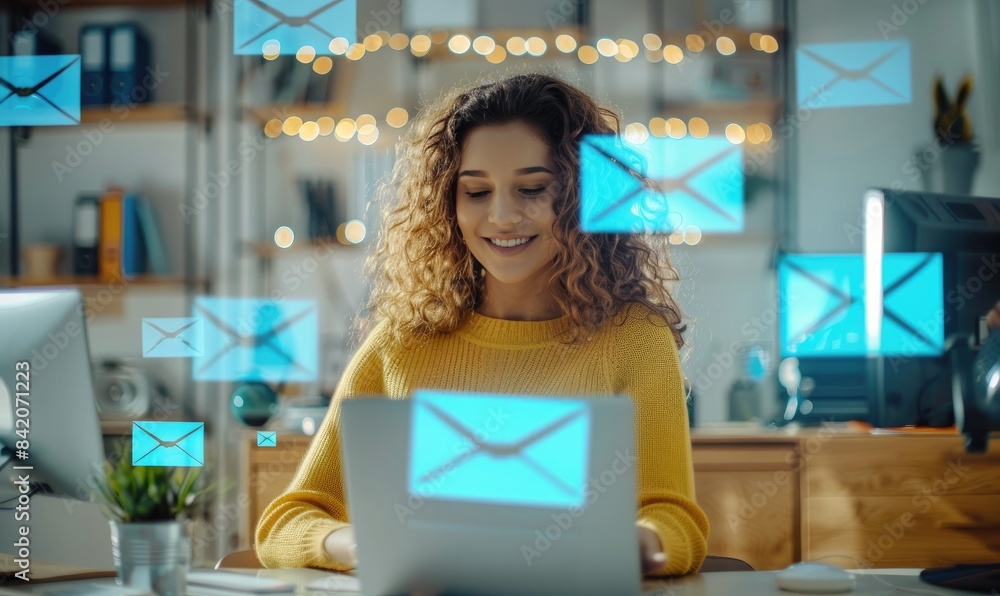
column 484, row 282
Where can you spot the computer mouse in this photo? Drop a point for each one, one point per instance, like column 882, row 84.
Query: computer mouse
column 815, row 578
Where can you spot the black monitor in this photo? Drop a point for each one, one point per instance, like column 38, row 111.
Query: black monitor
column 917, row 388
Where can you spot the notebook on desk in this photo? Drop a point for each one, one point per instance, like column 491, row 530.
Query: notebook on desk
column 492, row 494
column 41, row 571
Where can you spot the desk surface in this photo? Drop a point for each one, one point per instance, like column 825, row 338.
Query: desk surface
column 758, row 583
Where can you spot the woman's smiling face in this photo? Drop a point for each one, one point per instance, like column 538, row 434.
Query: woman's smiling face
column 504, row 203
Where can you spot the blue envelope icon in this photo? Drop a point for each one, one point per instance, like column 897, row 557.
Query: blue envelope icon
column 912, row 304
column 613, row 195
column 267, row 438
column 177, row 337
column 702, row 180
column 865, row 73
column 172, row 444
column 40, row 90
column 292, row 25
column 499, row 449
column 821, row 305
column 253, row 339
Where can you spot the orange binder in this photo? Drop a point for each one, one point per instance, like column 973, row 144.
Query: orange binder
column 109, row 262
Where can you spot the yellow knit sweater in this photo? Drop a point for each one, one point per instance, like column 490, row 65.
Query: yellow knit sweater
column 636, row 358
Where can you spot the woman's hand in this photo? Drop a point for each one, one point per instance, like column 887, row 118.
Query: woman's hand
column 342, row 546
column 650, row 550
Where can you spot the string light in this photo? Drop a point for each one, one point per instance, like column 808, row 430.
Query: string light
column 497, row 56
column 698, row 127
column 292, row 125
column 607, row 47
column 309, row 131
column 536, row 46
column 735, row 134
column 623, row 50
column 339, row 45
column 517, row 46
column 673, row 54
column 373, row 43
column 323, row 65
column 652, row 42
column 565, row 43
column 459, row 44
column 484, row 45
column 306, row 54
column 326, row 125
column 397, row 117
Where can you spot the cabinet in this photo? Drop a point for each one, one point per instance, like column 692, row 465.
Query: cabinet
column 830, row 495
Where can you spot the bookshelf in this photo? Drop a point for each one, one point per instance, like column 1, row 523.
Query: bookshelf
column 144, row 114
column 87, row 281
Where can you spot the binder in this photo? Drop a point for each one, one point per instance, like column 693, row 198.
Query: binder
column 94, row 74
column 153, row 241
column 109, row 264
column 128, row 59
column 86, row 228
column 133, row 249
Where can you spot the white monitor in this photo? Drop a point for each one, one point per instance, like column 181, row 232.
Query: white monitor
column 47, row 407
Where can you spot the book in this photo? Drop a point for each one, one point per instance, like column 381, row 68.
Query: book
column 133, row 246
column 155, row 250
column 109, row 263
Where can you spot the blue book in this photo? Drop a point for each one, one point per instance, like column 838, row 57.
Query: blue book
column 153, row 241
column 133, row 248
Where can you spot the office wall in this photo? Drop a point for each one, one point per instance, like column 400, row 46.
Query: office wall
column 842, row 151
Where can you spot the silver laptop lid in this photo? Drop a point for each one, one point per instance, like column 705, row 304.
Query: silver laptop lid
column 493, row 494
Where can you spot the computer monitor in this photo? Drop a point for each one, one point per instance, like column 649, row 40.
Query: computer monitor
column 913, row 386
column 47, row 408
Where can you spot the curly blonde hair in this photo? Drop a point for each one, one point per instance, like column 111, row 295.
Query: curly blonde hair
column 424, row 276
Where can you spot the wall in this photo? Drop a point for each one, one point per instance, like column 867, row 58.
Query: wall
column 843, row 151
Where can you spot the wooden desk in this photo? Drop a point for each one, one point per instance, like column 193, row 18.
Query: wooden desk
column 773, row 498
column 758, row 583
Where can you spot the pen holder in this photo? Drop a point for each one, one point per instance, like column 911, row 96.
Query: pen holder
column 41, row 261
column 152, row 556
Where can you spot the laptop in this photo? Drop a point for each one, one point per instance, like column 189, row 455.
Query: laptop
column 487, row 494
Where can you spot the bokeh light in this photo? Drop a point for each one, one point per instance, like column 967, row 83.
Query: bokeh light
column 735, row 133
column 397, row 117
column 284, row 237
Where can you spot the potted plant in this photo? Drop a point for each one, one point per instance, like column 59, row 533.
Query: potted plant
column 950, row 164
column 149, row 508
